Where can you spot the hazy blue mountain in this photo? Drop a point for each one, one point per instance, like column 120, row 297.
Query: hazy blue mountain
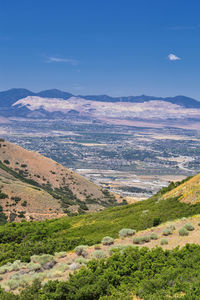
column 54, row 93
column 7, row 98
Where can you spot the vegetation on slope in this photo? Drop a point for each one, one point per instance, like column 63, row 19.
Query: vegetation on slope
column 21, row 240
column 149, row 274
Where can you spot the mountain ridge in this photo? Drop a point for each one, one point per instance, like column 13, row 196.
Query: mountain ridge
column 41, row 188
column 9, row 97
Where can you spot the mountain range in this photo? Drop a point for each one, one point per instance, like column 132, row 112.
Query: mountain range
column 55, row 104
column 9, row 97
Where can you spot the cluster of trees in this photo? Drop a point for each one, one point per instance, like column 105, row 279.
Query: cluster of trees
column 149, row 274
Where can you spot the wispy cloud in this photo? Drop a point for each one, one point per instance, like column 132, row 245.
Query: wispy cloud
column 56, row 59
column 173, row 57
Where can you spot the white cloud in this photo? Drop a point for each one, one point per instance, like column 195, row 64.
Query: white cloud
column 173, row 57
column 56, row 59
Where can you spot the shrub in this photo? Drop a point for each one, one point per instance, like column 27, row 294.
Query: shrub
column 42, row 259
column 99, row 254
column 167, row 231
column 12, row 284
column 138, row 240
column 107, row 240
column 61, row 267
column 146, row 238
column 74, row 266
column 172, row 227
column 81, row 261
column 183, row 231
column 189, row 226
column 126, row 232
column 164, row 242
column 3, row 269
column 97, row 247
column 6, row 162
column 154, row 236
column 60, row 254
column 33, row 266
column 81, row 250
column 156, row 221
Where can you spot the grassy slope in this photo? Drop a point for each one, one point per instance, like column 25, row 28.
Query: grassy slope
column 74, row 193
column 20, row 240
column 188, row 192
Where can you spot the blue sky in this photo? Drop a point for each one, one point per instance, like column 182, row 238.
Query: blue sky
column 115, row 47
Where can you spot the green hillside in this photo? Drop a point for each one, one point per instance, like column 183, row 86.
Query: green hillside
column 21, row 240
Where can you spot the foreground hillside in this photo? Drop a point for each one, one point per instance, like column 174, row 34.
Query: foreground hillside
column 58, row 267
column 113, row 263
column 35, row 187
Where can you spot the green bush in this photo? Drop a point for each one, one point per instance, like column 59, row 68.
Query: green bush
column 97, row 246
column 33, row 266
column 12, row 284
column 167, row 231
column 61, row 267
column 156, row 221
column 154, row 236
column 138, row 240
column 107, row 241
column 164, row 242
column 60, row 254
column 42, row 259
column 81, row 261
column 80, row 250
column 183, row 231
column 189, row 226
column 126, row 232
column 98, row 254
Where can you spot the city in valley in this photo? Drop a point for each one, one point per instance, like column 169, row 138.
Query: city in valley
column 133, row 160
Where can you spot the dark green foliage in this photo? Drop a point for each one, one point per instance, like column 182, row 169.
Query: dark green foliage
column 24, row 203
column 16, row 199
column 156, row 221
column 20, row 241
column 6, row 162
column 21, row 214
column 3, row 218
column 149, row 274
column 3, row 195
column 23, row 165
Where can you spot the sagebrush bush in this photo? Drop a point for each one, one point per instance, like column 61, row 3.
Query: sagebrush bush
column 107, row 240
column 97, row 246
column 33, row 266
column 12, row 284
column 167, row 231
column 189, row 226
column 172, row 227
column 138, row 240
column 74, row 266
column 183, row 231
column 146, row 238
column 61, row 267
column 126, row 232
column 154, row 236
column 116, row 248
column 82, row 261
column 164, row 242
column 79, row 250
column 98, row 254
column 42, row 259
column 3, row 269
column 60, row 254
